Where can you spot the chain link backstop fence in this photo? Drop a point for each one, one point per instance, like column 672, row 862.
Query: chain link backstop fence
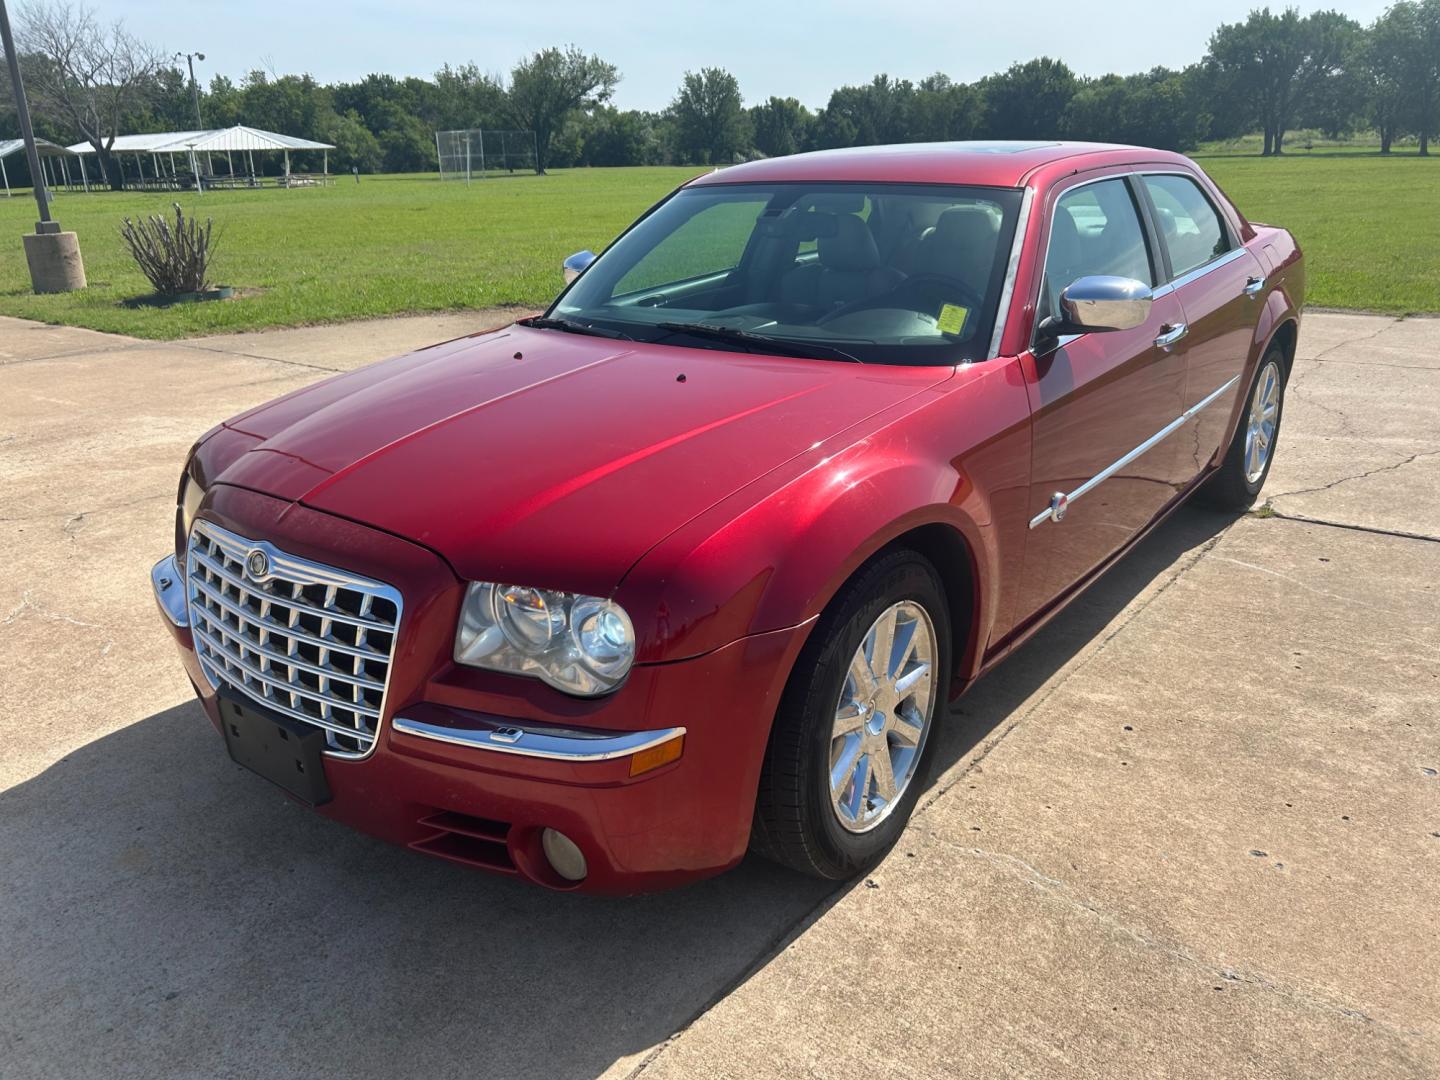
column 466, row 155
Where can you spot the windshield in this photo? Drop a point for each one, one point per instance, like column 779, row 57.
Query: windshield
column 882, row 273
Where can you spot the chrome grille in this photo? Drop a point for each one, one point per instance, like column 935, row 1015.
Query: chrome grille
column 310, row 641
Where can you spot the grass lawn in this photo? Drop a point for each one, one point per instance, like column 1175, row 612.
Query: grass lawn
column 1370, row 227
column 388, row 245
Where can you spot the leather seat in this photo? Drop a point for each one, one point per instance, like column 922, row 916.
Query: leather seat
column 961, row 247
column 848, row 269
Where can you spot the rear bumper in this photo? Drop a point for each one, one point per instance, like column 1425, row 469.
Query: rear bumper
column 450, row 777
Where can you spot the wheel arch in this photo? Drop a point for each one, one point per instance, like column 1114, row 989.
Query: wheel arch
column 944, row 547
column 1287, row 336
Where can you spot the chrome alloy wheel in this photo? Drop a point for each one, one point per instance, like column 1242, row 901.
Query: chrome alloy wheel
column 883, row 716
column 1260, row 426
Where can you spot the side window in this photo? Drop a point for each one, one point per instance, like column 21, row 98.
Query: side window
column 1096, row 230
column 711, row 242
column 1191, row 228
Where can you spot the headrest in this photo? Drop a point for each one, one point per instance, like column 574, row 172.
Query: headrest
column 963, row 238
column 852, row 249
column 968, row 226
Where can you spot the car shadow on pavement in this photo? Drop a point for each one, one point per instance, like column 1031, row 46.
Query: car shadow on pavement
column 166, row 913
column 994, row 698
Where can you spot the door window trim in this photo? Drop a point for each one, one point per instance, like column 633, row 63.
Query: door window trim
column 1159, row 254
column 1128, row 178
column 1231, row 239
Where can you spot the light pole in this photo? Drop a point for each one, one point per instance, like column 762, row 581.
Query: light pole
column 54, row 256
column 190, row 59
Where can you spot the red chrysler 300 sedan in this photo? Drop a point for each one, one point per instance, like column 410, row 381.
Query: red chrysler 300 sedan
column 693, row 562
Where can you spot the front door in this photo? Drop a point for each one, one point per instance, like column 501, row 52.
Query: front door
column 1098, row 400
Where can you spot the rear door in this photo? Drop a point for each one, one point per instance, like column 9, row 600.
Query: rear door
column 1099, row 399
column 1219, row 284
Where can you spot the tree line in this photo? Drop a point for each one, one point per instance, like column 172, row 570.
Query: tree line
column 1273, row 73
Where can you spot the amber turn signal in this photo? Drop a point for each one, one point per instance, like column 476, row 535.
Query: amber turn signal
column 653, row 757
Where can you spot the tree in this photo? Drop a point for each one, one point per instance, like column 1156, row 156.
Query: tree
column 467, row 98
column 1407, row 51
column 90, row 74
column 355, row 146
column 1028, row 101
column 875, row 114
column 552, row 84
column 613, row 137
column 1153, row 109
column 943, row 110
column 223, row 102
column 1274, row 63
column 781, row 126
column 710, row 121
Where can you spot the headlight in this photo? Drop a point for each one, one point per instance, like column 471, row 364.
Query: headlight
column 583, row 645
column 191, row 495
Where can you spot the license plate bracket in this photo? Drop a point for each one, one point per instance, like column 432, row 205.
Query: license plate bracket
column 286, row 752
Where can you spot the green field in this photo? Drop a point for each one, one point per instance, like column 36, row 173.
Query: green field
column 1370, row 228
column 388, row 245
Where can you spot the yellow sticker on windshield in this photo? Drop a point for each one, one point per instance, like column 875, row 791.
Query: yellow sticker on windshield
column 952, row 319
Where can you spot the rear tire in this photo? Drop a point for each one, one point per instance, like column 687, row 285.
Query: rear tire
column 1237, row 482
column 853, row 740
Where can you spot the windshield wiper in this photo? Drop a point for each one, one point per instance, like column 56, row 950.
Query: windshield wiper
column 541, row 322
column 760, row 342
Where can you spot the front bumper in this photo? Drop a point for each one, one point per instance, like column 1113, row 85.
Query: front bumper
column 474, row 766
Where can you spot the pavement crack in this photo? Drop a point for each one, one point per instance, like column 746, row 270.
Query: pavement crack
column 1401, row 534
column 1302, row 585
column 1356, row 476
column 256, row 356
column 1390, row 324
column 75, row 520
column 40, row 611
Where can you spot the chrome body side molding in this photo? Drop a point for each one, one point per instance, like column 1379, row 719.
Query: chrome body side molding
column 1062, row 500
column 555, row 744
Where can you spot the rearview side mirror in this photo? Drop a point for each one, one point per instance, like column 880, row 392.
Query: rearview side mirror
column 1099, row 303
column 575, row 265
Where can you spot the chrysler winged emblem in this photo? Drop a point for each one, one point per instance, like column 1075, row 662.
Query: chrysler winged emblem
column 257, row 565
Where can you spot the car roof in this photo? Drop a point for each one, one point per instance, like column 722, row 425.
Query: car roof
column 989, row 164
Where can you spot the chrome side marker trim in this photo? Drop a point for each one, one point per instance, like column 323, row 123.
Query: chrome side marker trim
column 169, row 586
column 554, row 744
column 1063, row 501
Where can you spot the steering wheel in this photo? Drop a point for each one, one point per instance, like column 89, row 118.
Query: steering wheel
column 925, row 293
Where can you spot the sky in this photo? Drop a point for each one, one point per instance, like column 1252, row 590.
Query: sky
column 773, row 47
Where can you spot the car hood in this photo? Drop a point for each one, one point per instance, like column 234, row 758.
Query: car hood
column 549, row 459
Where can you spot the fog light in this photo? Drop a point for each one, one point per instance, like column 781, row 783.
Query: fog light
column 565, row 858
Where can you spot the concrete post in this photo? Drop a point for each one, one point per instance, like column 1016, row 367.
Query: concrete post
column 55, row 264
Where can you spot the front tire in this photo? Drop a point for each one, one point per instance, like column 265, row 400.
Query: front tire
column 1237, row 482
column 853, row 740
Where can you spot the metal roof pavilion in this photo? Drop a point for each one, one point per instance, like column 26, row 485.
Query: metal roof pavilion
column 161, row 147
column 44, row 147
column 218, row 140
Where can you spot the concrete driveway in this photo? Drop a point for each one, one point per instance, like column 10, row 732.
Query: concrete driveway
column 1193, row 829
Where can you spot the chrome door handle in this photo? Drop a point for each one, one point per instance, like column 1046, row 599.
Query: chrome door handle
column 1170, row 333
column 1254, row 286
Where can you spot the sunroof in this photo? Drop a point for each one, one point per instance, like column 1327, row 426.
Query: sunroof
column 1004, row 147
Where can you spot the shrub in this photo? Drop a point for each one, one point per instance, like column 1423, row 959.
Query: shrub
column 174, row 256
